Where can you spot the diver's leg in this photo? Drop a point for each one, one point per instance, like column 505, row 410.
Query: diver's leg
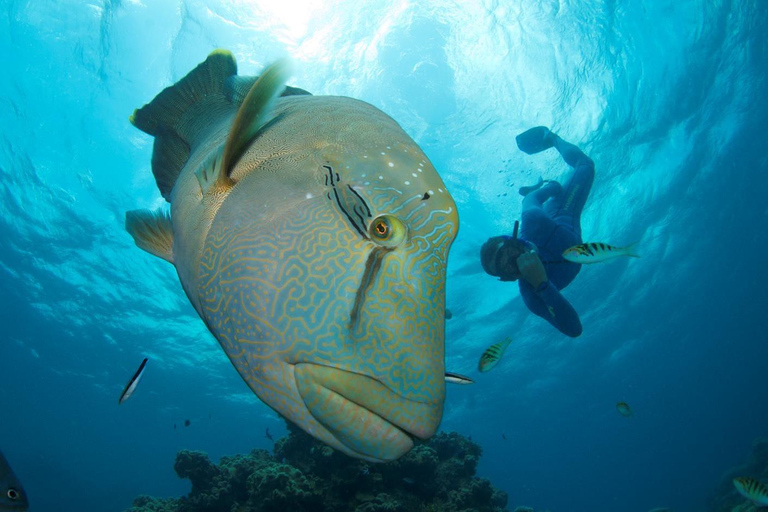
column 566, row 211
column 545, row 194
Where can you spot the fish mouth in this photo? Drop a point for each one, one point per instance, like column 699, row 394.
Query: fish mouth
column 364, row 414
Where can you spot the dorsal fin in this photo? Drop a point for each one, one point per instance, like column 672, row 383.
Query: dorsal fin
column 254, row 113
column 182, row 112
column 152, row 231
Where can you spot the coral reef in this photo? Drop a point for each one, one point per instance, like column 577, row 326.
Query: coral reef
column 304, row 475
column 726, row 497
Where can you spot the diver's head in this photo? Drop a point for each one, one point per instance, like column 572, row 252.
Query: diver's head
column 499, row 255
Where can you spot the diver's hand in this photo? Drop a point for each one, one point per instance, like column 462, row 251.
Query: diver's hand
column 532, row 269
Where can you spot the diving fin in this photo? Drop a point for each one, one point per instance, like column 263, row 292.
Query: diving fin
column 535, row 140
column 152, row 231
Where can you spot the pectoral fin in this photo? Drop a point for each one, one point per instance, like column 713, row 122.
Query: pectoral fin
column 209, row 174
column 254, row 113
column 152, row 231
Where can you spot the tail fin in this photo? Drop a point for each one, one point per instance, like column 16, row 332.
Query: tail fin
column 631, row 250
column 174, row 119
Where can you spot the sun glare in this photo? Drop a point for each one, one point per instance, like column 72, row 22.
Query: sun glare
column 294, row 15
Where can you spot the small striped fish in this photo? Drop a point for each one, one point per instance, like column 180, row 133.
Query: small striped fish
column 753, row 490
column 456, row 378
column 492, row 355
column 597, row 252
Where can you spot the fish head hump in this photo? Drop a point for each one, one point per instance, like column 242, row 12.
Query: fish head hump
column 323, row 276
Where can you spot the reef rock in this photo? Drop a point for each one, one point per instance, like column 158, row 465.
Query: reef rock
column 304, row 475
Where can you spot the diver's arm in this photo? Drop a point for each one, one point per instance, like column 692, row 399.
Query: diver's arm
column 549, row 304
column 572, row 155
column 537, row 198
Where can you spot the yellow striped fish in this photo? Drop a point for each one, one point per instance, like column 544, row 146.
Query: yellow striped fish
column 753, row 490
column 598, row 252
column 492, row 355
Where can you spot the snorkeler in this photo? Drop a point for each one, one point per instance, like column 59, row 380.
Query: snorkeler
column 551, row 223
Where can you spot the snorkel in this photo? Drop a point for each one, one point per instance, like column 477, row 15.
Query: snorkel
column 499, row 254
column 507, row 266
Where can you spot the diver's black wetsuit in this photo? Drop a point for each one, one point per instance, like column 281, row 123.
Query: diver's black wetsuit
column 551, row 220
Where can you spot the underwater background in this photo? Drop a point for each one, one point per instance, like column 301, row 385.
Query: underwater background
column 667, row 97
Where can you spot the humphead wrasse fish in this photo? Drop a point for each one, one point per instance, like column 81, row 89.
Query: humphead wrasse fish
column 12, row 495
column 598, row 252
column 492, row 355
column 311, row 234
column 753, row 490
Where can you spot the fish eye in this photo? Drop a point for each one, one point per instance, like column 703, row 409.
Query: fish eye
column 387, row 230
column 382, row 229
column 12, row 494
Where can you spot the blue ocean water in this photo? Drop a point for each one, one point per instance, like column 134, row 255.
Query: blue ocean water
column 668, row 98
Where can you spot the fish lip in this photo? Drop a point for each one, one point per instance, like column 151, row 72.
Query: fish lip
column 415, row 431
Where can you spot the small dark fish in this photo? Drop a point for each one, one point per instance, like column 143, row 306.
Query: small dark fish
column 455, row 378
column 174, row 426
column 492, row 355
column 12, row 495
column 624, row 409
column 448, row 314
column 503, row 437
column 268, row 435
column 131, row 386
column 409, row 481
column 187, row 423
